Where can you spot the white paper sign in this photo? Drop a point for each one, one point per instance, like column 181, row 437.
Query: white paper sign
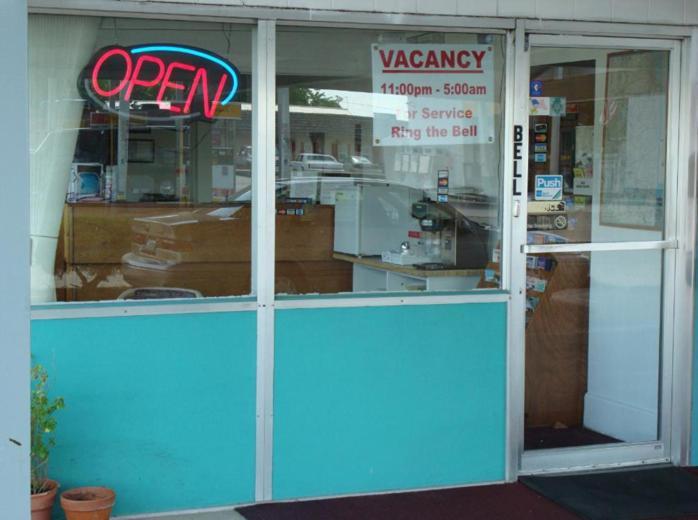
column 582, row 186
column 432, row 94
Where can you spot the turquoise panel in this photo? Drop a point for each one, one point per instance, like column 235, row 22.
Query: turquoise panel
column 160, row 408
column 388, row 398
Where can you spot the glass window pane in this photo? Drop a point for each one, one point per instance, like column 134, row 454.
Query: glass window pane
column 140, row 158
column 597, row 145
column 593, row 336
column 389, row 160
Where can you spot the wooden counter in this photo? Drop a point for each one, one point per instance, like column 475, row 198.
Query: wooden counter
column 376, row 263
column 108, row 248
column 367, row 276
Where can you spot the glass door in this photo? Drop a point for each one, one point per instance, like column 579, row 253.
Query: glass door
column 595, row 239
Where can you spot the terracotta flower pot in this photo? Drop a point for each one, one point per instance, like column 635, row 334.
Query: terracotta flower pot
column 43, row 502
column 88, row 503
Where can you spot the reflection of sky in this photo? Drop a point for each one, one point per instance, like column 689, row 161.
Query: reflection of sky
column 366, row 104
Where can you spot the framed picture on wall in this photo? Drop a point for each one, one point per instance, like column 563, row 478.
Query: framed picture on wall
column 141, row 150
column 633, row 160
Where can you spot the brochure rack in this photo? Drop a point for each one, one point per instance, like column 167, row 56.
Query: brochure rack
column 557, row 314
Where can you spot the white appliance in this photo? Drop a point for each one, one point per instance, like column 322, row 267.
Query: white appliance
column 222, row 182
column 372, row 218
column 86, row 181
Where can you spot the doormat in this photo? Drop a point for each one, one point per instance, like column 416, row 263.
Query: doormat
column 494, row 502
column 638, row 494
column 541, row 438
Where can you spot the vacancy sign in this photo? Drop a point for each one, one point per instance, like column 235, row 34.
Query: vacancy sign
column 432, row 94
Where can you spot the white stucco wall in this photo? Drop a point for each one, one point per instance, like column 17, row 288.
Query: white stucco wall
column 684, row 12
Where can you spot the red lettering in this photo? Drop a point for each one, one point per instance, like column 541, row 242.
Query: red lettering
column 184, row 86
column 416, row 64
column 432, row 60
column 166, row 83
column 386, row 60
column 478, row 55
column 464, row 131
column 95, row 72
column 209, row 109
column 448, row 59
column 136, row 80
column 400, row 60
column 462, row 60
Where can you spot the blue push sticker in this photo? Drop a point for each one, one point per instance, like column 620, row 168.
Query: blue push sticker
column 548, row 187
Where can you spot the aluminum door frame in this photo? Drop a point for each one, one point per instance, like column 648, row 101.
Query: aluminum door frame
column 677, row 242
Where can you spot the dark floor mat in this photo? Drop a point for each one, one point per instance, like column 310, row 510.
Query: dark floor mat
column 642, row 494
column 540, row 438
column 496, row 502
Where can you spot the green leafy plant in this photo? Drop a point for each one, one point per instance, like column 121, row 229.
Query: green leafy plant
column 313, row 98
column 43, row 425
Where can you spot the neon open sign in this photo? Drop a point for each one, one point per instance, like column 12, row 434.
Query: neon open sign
column 159, row 80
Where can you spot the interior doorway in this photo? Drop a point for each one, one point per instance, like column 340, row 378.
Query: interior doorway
column 556, row 375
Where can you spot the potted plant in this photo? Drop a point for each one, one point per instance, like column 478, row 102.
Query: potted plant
column 43, row 424
column 88, row 503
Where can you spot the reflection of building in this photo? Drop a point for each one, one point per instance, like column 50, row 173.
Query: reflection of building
column 332, row 131
column 325, row 130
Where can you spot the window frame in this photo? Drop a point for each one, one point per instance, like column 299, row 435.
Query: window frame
column 263, row 172
column 671, row 444
column 500, row 294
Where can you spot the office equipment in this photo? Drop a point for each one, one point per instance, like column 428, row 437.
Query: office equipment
column 374, row 218
column 86, row 181
column 448, row 237
column 372, row 275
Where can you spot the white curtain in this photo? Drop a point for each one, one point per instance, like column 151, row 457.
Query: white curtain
column 59, row 47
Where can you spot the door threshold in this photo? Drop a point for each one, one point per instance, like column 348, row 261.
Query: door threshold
column 592, row 458
column 608, row 469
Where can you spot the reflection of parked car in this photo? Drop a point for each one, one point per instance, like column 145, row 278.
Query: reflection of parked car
column 316, row 161
column 243, row 160
column 359, row 162
column 479, row 208
column 311, row 183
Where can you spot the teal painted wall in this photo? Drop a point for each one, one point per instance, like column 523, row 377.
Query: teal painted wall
column 387, row 398
column 160, row 408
